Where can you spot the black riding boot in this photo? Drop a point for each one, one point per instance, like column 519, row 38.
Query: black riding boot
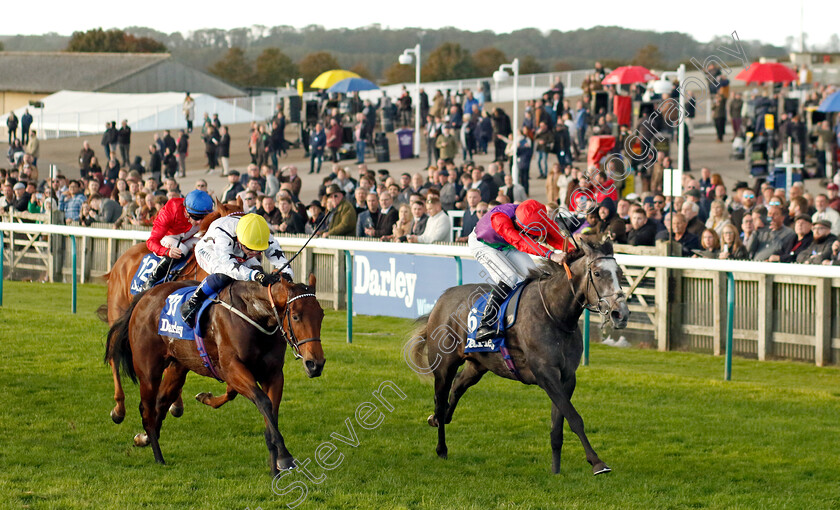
column 158, row 273
column 487, row 329
column 190, row 306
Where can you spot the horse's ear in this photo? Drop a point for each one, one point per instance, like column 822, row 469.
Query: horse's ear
column 312, row 280
column 607, row 247
column 586, row 244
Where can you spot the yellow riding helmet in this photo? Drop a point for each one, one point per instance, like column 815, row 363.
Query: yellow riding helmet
column 252, row 232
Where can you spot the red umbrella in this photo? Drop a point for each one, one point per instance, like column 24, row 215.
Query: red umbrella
column 767, row 72
column 625, row 75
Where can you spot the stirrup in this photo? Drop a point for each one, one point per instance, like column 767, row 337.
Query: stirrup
column 189, row 309
column 487, row 333
column 188, row 312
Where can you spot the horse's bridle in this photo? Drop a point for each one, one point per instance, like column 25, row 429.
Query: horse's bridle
column 290, row 337
column 602, row 306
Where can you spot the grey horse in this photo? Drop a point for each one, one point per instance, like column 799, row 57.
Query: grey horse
column 545, row 343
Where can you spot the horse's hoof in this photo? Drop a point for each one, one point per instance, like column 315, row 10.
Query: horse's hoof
column 175, row 411
column 141, row 439
column 432, row 420
column 202, row 397
column 116, row 417
column 286, row 464
column 443, row 455
column 600, row 469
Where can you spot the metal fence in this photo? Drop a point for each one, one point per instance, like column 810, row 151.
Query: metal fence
column 781, row 311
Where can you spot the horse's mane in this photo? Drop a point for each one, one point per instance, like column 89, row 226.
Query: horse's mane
column 588, row 244
column 221, row 210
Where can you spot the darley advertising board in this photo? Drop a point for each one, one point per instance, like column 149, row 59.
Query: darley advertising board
column 398, row 285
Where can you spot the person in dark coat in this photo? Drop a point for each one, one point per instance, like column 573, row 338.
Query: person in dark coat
column 373, row 221
column 562, row 145
column 25, row 122
column 170, row 164
column 643, row 230
column 223, row 150
column 485, row 132
column 687, row 240
column 278, row 138
column 137, row 165
column 124, row 142
column 211, row 141
column 801, row 245
column 611, row 224
column 155, row 161
column 169, row 141
column 820, row 249
column 291, row 222
column 501, row 132
column 12, row 125
column 182, row 151
column 315, row 215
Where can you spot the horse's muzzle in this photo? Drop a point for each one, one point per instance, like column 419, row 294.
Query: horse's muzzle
column 313, row 368
column 620, row 314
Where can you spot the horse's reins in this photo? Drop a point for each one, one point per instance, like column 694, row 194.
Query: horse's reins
column 289, row 337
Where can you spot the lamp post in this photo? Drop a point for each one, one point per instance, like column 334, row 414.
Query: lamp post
column 405, row 59
column 500, row 76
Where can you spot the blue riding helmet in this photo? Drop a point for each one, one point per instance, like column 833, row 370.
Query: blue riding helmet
column 199, row 202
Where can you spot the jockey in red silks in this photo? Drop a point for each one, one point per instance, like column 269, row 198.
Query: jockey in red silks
column 503, row 241
column 174, row 230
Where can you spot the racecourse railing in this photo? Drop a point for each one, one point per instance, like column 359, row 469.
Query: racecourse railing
column 785, row 311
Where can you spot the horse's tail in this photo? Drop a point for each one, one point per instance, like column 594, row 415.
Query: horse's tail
column 117, row 347
column 416, row 347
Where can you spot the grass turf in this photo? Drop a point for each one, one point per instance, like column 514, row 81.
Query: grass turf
column 675, row 434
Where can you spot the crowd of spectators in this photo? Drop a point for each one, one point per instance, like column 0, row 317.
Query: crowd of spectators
column 710, row 220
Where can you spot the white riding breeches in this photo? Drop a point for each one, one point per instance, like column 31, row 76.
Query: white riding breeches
column 508, row 266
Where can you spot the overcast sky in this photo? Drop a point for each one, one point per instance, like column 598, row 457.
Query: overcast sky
column 767, row 21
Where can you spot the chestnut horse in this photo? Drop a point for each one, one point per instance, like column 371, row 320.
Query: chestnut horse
column 119, row 298
column 247, row 351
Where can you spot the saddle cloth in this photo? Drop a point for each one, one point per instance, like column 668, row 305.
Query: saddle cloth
column 505, row 318
column 171, row 324
column 145, row 270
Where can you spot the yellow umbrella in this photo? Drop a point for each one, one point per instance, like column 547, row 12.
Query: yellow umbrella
column 329, row 78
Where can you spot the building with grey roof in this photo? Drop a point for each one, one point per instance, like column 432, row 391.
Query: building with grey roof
column 30, row 76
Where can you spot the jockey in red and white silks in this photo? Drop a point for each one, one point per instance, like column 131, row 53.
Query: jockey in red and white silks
column 503, row 242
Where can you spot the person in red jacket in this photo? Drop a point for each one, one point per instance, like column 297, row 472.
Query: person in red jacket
column 504, row 240
column 605, row 186
column 174, row 230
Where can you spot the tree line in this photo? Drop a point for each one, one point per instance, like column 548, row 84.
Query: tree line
column 271, row 56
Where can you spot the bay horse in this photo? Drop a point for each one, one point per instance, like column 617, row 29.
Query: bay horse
column 119, row 298
column 545, row 343
column 248, row 352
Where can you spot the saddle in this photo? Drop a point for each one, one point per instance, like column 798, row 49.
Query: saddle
column 147, row 265
column 505, row 318
column 172, row 325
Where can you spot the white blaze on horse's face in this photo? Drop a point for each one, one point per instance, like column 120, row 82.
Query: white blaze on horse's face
column 611, row 266
column 604, row 271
